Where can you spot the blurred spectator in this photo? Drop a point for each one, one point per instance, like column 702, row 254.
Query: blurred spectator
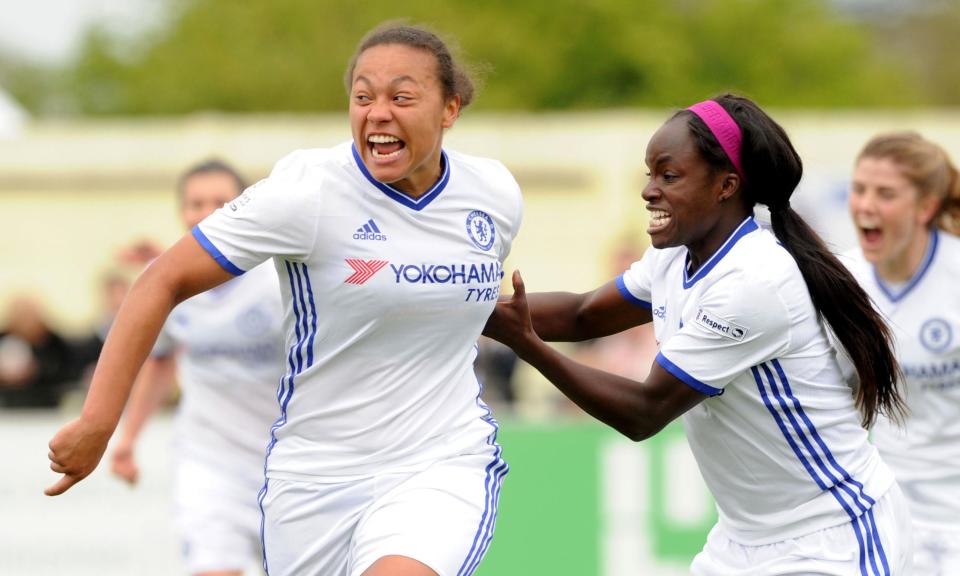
column 36, row 363
column 139, row 254
column 629, row 353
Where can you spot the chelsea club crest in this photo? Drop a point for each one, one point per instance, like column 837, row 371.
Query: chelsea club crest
column 480, row 229
column 935, row 335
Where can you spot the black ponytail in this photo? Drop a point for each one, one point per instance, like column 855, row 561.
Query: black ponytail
column 772, row 169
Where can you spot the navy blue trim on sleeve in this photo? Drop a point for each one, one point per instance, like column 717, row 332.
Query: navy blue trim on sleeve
column 686, row 378
column 628, row 296
column 222, row 260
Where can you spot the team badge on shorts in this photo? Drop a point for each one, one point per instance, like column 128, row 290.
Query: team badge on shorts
column 936, row 335
column 480, row 229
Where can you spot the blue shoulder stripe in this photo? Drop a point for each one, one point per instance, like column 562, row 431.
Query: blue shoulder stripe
column 207, row 245
column 628, row 296
column 686, row 378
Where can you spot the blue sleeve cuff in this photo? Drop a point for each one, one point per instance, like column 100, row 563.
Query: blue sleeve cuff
column 628, row 296
column 686, row 378
column 213, row 251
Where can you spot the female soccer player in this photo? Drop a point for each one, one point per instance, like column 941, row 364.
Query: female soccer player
column 383, row 460
column 741, row 316
column 905, row 204
column 226, row 346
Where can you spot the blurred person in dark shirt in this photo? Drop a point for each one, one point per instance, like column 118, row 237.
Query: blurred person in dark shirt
column 36, row 363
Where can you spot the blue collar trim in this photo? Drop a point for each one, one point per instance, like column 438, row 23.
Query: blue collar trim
column 748, row 225
column 398, row 196
column 896, row 296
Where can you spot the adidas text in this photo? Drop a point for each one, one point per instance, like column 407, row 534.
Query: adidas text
column 370, row 236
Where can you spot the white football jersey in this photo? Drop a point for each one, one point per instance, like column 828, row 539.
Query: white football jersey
column 924, row 314
column 779, row 441
column 384, row 298
column 229, row 344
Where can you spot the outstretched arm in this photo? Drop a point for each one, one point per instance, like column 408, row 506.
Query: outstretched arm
column 152, row 388
column 638, row 410
column 569, row 317
column 182, row 271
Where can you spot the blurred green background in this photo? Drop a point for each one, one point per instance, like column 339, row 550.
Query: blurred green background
column 289, row 55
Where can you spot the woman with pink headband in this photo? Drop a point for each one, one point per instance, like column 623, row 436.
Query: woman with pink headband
column 742, row 317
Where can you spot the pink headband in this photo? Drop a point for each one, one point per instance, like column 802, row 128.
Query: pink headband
column 724, row 129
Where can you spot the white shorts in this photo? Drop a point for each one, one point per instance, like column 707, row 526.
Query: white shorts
column 442, row 516
column 840, row 550
column 936, row 552
column 218, row 518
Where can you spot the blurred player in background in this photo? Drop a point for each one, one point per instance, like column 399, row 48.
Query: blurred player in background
column 741, row 316
column 226, row 347
column 905, row 204
column 384, row 460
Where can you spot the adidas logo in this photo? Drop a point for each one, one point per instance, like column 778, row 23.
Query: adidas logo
column 369, row 231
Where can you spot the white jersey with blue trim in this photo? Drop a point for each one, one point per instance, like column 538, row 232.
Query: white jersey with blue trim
column 385, row 297
column 779, row 441
column 924, row 314
column 229, row 345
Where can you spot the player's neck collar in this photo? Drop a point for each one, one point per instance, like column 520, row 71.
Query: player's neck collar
column 398, row 196
column 896, row 293
column 748, row 225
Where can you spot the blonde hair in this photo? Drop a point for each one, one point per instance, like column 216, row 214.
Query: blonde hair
column 927, row 166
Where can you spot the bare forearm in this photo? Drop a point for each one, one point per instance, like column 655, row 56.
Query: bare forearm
column 151, row 389
column 184, row 270
column 130, row 340
column 179, row 273
column 569, row 317
column 555, row 316
column 636, row 409
column 616, row 401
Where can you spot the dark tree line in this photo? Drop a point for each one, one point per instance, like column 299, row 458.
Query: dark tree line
column 289, row 55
